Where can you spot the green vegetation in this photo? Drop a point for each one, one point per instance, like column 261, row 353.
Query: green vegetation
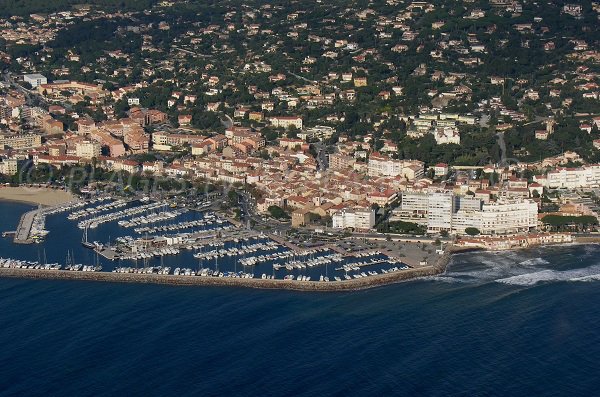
column 401, row 227
column 472, row 231
column 575, row 223
column 278, row 213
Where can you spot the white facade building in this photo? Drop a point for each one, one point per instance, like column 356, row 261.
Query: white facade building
column 88, row 150
column 445, row 211
column 8, row 166
column 286, row 122
column 440, row 208
column 357, row 219
column 379, row 165
column 35, row 79
column 587, row 176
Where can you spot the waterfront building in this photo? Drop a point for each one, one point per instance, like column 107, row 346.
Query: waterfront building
column 354, row 218
column 446, row 211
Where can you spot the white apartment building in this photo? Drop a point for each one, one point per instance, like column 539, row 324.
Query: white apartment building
column 8, row 166
column 35, row 79
column 380, row 165
column 414, row 208
column 447, row 135
column 357, row 219
column 509, row 216
column 286, row 122
column 444, row 211
column 88, row 150
column 587, row 176
column 440, row 207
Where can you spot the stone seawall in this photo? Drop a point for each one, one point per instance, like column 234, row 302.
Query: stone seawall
column 332, row 286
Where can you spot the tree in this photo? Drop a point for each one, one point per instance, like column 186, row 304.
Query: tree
column 277, row 212
column 472, row 231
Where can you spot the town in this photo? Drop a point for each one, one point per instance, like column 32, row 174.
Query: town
column 407, row 118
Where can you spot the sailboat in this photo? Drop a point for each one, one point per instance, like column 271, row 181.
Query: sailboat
column 84, row 240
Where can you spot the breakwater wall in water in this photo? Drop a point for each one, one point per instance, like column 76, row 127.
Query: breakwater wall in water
column 319, row 286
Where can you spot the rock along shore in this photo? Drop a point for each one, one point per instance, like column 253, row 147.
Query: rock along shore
column 317, row 286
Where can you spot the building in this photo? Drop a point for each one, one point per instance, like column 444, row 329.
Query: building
column 380, row 165
column 355, row 218
column 286, row 122
column 8, row 166
column 21, row 141
column 35, row 79
column 440, row 169
column 445, row 211
column 584, row 177
column 440, row 207
column 88, row 149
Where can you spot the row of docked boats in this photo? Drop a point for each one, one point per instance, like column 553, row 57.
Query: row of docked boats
column 182, row 271
column 236, row 251
column 311, row 262
column 151, row 254
column 91, row 211
column 207, row 220
column 93, row 223
column 289, row 254
column 143, row 270
column 152, row 218
column 66, row 207
column 7, row 263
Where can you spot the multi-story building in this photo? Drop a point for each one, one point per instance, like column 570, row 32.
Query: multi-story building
column 21, row 141
column 355, row 218
column 440, row 207
column 509, row 216
column 35, row 79
column 8, row 166
column 88, row 149
column 445, row 211
column 380, row 165
column 584, row 177
column 286, row 122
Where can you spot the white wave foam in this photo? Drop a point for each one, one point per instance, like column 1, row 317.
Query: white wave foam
column 444, row 279
column 591, row 273
column 534, row 262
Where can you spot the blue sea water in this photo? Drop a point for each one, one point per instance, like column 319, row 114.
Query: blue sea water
column 519, row 324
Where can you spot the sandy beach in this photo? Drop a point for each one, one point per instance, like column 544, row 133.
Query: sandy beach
column 35, row 195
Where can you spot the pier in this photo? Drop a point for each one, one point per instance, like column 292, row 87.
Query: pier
column 22, row 234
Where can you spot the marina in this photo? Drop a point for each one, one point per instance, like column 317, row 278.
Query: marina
column 153, row 237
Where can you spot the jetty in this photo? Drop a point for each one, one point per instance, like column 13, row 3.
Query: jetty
column 23, row 233
column 279, row 284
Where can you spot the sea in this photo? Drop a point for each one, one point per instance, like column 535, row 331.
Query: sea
column 522, row 323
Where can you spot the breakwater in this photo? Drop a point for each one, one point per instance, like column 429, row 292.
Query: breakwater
column 316, row 286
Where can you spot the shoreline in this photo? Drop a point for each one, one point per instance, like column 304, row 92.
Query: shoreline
column 380, row 280
column 35, row 196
